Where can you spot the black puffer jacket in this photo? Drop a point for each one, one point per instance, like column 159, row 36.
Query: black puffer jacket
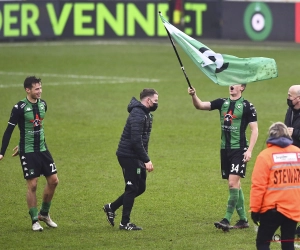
column 135, row 137
column 292, row 119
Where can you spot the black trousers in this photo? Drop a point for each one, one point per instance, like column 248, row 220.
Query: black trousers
column 270, row 221
column 135, row 175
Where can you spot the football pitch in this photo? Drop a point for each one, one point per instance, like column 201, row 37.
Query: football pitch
column 87, row 86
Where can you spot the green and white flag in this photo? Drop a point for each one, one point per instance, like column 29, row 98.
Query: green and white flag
column 223, row 69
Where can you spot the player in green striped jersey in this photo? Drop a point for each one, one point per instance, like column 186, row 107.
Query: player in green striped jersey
column 236, row 114
column 35, row 157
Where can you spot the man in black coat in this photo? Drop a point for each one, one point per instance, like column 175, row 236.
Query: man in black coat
column 292, row 117
column 133, row 156
column 292, row 120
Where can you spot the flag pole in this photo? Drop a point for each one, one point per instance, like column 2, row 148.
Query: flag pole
column 181, row 66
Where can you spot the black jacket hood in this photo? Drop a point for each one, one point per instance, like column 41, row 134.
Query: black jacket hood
column 134, row 103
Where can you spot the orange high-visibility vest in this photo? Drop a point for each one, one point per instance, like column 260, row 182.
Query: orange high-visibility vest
column 276, row 181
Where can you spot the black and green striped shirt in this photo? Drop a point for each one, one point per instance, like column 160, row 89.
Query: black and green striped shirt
column 29, row 118
column 235, row 115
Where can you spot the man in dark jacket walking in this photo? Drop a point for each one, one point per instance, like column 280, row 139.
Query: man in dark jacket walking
column 133, row 156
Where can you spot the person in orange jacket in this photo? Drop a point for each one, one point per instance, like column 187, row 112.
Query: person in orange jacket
column 275, row 189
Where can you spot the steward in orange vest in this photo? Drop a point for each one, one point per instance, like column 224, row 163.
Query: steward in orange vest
column 275, row 189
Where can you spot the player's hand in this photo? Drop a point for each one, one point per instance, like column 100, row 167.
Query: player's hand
column 16, row 151
column 191, row 91
column 290, row 131
column 255, row 216
column 247, row 156
column 1, row 157
column 149, row 166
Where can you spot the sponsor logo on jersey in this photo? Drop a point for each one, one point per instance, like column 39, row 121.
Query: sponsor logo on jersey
column 35, row 132
column 229, row 127
column 229, row 116
column 37, row 121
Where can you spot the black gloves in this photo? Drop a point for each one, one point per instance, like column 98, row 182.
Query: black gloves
column 255, row 217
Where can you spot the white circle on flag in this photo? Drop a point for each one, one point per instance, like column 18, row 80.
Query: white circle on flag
column 258, row 22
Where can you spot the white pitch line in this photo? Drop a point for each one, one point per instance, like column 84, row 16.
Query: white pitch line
column 82, row 76
column 88, row 79
column 65, row 83
column 62, row 43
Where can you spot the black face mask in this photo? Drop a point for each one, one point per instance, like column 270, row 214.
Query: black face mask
column 154, row 107
column 290, row 103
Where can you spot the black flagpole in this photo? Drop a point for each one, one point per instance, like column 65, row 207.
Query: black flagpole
column 182, row 67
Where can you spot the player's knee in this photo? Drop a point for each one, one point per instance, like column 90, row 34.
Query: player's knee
column 32, row 185
column 53, row 180
column 56, row 181
column 234, row 183
column 32, row 188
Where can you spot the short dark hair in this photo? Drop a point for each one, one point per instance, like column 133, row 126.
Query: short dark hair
column 31, row 80
column 244, row 85
column 147, row 93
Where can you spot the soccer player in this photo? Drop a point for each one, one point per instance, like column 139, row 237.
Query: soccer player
column 133, row 156
column 235, row 115
column 36, row 160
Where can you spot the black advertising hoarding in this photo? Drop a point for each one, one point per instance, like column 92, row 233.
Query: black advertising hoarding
column 258, row 21
column 106, row 19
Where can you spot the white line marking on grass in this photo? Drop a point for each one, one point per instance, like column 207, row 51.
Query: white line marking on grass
column 86, row 43
column 86, row 79
column 62, row 43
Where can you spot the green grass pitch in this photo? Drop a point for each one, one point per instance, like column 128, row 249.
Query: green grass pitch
column 87, row 86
